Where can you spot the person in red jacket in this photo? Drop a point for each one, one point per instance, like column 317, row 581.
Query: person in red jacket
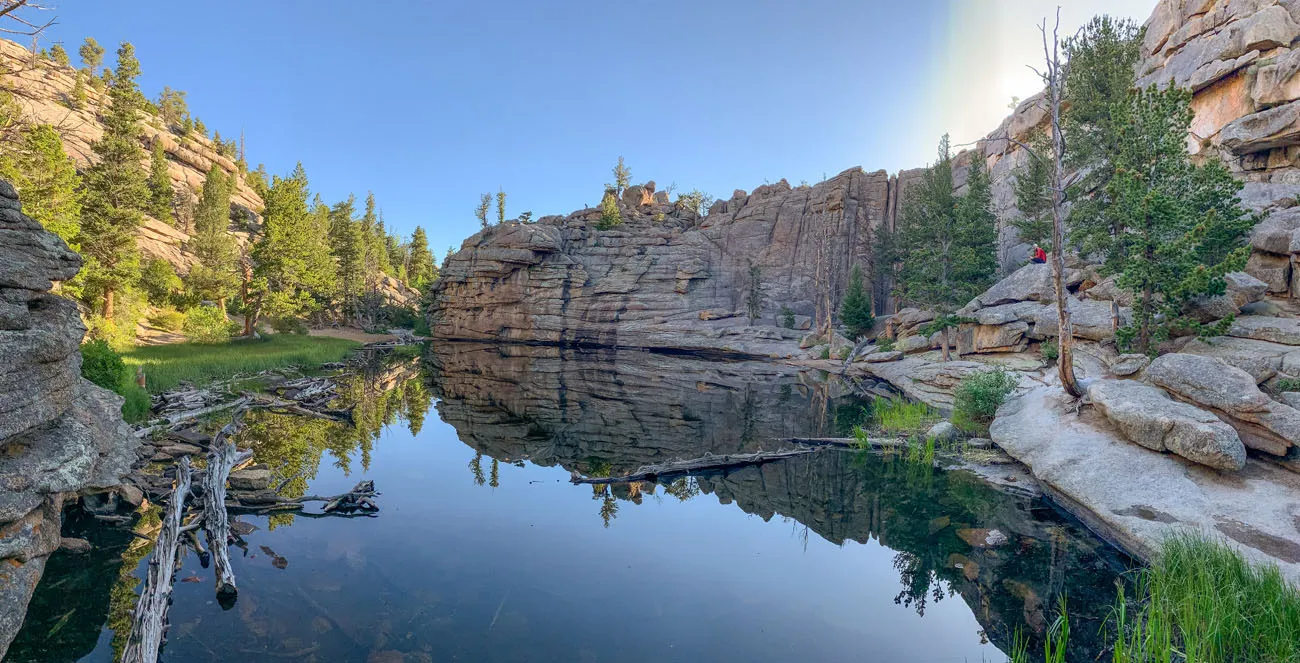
column 1038, row 255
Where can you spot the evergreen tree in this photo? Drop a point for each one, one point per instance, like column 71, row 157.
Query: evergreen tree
column 501, row 207
column 347, row 245
column 376, row 254
column 1181, row 226
column 610, row 217
column 160, row 185
column 855, row 308
column 1034, row 196
column 59, row 55
column 79, row 98
column 950, row 242
column 46, row 179
column 172, row 108
column 481, row 212
column 117, row 191
column 294, row 270
column 216, row 276
column 622, row 177
column 92, row 55
column 422, row 271
column 884, row 256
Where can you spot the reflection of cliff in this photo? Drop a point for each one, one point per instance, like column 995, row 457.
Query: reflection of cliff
column 621, row 408
column 613, row 411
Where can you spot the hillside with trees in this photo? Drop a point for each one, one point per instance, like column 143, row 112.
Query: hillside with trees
column 171, row 218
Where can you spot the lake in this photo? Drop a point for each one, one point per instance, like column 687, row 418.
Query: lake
column 485, row 551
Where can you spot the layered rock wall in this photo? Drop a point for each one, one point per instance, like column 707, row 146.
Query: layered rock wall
column 668, row 279
column 59, row 434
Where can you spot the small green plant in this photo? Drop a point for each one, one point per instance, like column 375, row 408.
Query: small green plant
column 787, row 317
column 1048, row 350
column 977, row 399
column 885, row 344
column 901, row 416
column 610, row 217
column 168, row 319
column 101, row 364
column 207, row 325
column 826, row 352
column 1288, row 384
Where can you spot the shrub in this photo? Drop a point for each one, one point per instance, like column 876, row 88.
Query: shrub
column 1288, row 384
column 168, row 319
column 609, row 214
column 288, row 325
column 207, row 324
column 101, row 364
column 1048, row 350
column 977, row 399
column 826, row 352
column 885, row 344
column 787, row 317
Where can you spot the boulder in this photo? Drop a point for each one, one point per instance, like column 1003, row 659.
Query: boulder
column 1242, row 289
column 979, row 537
column 1231, row 394
column 1271, row 269
column 1108, row 290
column 1265, row 130
column 879, row 357
column 1128, row 364
column 1276, row 330
column 1031, row 283
column 1261, row 359
column 1279, row 232
column 1146, row 415
column 250, row 479
column 944, row 431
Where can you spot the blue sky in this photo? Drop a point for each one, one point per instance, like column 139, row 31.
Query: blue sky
column 430, row 104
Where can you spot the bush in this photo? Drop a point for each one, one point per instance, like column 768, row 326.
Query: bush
column 288, row 325
column 168, row 319
column 787, row 317
column 101, row 364
column 977, row 399
column 208, row 324
column 826, row 352
column 609, row 214
column 1048, row 350
column 1288, row 384
column 885, row 344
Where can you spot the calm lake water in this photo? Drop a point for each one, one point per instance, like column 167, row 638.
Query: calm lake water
column 484, row 550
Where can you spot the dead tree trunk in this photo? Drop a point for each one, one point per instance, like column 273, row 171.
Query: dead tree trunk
column 651, row 472
column 149, row 623
column 1052, row 76
column 221, row 459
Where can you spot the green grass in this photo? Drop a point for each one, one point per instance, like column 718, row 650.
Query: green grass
column 165, row 366
column 896, row 415
column 1200, row 600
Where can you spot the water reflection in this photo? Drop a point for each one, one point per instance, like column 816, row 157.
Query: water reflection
column 483, row 554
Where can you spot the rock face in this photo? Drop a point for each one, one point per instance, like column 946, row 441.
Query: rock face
column 59, row 434
column 1231, row 394
column 561, row 281
column 1147, row 416
column 658, row 280
column 1136, row 498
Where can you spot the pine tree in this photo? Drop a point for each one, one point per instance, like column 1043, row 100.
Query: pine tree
column 1033, row 195
column 347, row 245
column 160, row 185
column 1181, row 226
column 173, row 109
column 422, row 272
column 376, row 254
column 855, row 308
column 78, row 98
column 216, row 276
column 950, row 242
column 481, row 212
column 610, row 217
column 501, row 207
column 46, row 179
column 117, row 190
column 622, row 177
column 884, row 258
column 59, row 55
column 92, row 55
column 294, row 270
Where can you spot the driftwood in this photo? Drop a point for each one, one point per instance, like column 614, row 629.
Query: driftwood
column 171, row 420
column 710, row 462
column 849, row 442
column 221, row 459
column 149, row 623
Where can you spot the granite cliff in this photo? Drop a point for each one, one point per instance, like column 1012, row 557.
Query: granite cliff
column 59, row 434
column 670, row 278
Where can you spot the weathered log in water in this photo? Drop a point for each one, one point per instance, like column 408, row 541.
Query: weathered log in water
column 710, row 462
column 849, row 442
column 172, row 420
column 221, row 460
column 149, row 622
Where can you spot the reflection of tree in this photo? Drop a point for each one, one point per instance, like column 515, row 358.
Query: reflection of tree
column 476, row 468
column 495, row 475
column 608, row 505
column 919, row 580
column 683, row 489
column 122, row 598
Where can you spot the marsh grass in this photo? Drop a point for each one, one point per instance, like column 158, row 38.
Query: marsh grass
column 1200, row 600
column 166, row 366
column 903, row 417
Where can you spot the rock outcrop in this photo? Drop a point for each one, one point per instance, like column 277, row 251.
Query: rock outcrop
column 560, row 280
column 59, row 434
column 1230, row 393
column 1146, row 415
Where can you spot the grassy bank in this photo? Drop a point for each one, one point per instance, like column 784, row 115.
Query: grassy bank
column 1199, row 601
column 165, row 366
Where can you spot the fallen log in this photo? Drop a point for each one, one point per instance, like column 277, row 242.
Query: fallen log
column 180, row 417
column 849, row 442
column 221, row 459
column 709, row 462
column 149, row 622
